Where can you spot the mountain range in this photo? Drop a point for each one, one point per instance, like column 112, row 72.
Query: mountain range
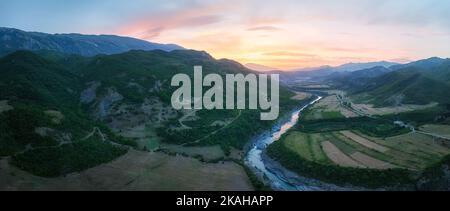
column 419, row 82
column 350, row 67
column 259, row 67
column 86, row 45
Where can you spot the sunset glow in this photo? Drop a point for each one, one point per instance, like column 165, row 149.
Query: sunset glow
column 280, row 34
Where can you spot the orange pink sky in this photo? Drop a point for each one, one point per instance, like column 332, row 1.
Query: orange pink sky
column 284, row 34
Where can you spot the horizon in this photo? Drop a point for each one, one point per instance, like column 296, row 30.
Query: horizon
column 246, row 64
column 292, row 35
column 267, row 68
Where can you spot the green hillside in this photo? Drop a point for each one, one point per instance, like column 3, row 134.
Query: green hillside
column 64, row 113
column 409, row 84
column 142, row 77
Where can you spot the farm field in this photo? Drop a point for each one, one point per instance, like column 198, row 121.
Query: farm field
column 301, row 96
column 339, row 157
column 207, row 153
column 307, row 145
column 442, row 130
column 136, row 170
column 412, row 151
column 371, row 110
column 363, row 141
column 144, row 136
column 328, row 108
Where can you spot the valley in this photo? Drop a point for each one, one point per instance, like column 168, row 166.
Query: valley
column 109, row 117
column 132, row 139
column 105, row 122
column 345, row 140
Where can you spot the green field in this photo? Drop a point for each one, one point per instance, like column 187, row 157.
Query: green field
column 443, row 130
column 320, row 114
column 387, row 161
column 307, row 146
column 366, row 125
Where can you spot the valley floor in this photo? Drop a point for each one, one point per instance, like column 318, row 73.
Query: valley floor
column 345, row 143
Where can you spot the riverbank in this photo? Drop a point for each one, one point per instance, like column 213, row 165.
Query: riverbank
column 253, row 158
column 275, row 175
column 302, row 183
column 345, row 177
column 298, row 160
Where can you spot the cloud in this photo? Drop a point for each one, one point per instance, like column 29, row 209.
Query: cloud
column 282, row 34
column 227, row 43
column 152, row 26
column 348, row 49
column 264, row 28
column 199, row 21
column 153, row 32
column 155, row 26
column 288, row 53
column 264, row 20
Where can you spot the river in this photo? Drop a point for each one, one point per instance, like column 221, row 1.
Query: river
column 272, row 172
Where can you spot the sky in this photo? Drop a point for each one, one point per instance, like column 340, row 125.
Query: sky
column 283, row 34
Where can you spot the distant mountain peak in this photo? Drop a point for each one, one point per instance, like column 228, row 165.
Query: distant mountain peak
column 309, row 69
column 426, row 64
column 350, row 67
column 259, row 67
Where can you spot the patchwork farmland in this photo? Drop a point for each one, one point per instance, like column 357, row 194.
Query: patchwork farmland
column 411, row 151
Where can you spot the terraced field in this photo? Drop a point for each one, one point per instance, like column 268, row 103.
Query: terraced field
column 363, row 141
column 339, row 157
column 329, row 131
column 412, row 151
column 308, row 146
